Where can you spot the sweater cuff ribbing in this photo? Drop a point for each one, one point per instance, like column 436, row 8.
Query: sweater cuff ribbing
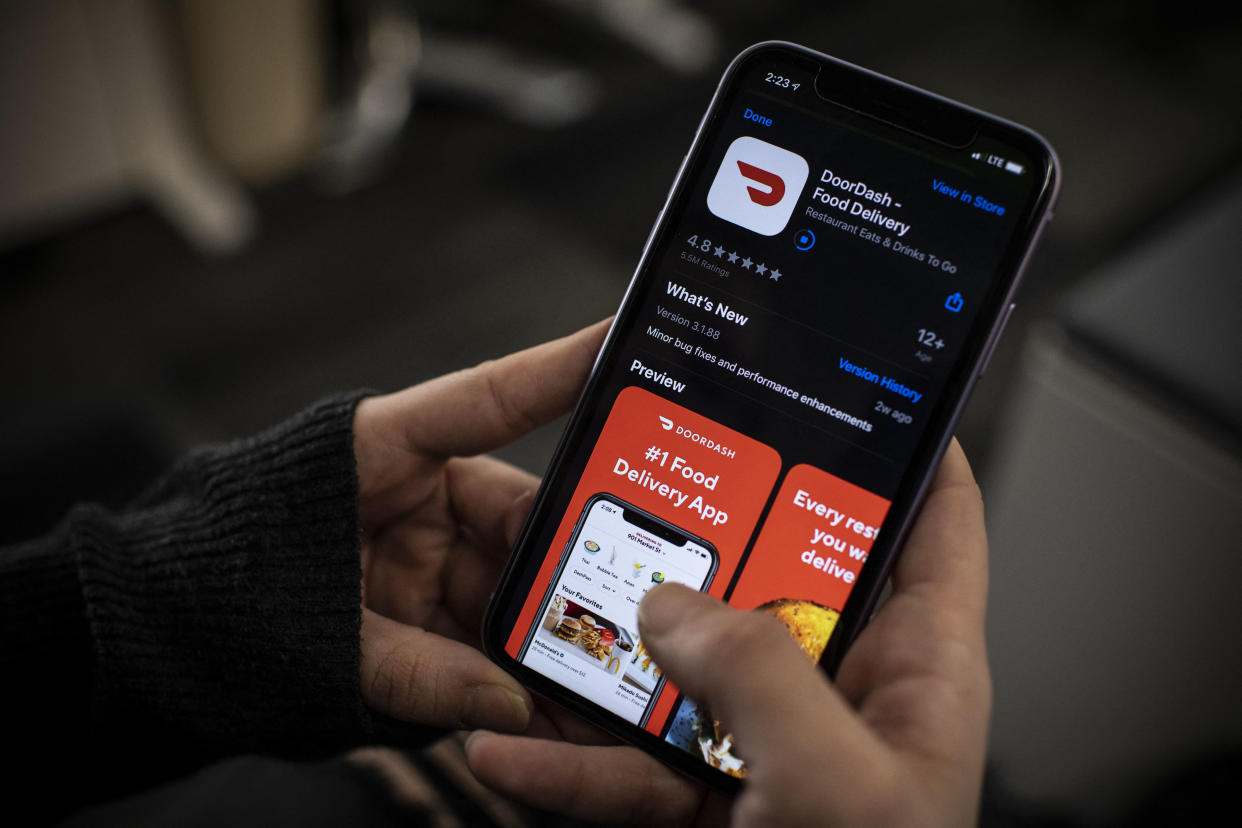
column 224, row 607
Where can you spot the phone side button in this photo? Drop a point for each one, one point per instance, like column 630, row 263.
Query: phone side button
column 1000, row 331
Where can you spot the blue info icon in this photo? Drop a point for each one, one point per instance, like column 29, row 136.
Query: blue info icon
column 805, row 240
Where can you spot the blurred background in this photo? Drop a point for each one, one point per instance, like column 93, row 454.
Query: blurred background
column 213, row 212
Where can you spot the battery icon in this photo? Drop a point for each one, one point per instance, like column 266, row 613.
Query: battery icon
column 1014, row 167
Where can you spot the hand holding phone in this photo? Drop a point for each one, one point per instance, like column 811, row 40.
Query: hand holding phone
column 438, row 520
column 822, row 290
column 900, row 739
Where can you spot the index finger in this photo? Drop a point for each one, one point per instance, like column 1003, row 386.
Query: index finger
column 945, row 560
column 918, row 672
column 482, row 408
column 940, row 580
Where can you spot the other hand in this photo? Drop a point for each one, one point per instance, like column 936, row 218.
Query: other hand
column 438, row 520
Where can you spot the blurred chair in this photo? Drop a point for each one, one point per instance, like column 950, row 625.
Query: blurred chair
column 404, row 48
column 187, row 104
column 682, row 39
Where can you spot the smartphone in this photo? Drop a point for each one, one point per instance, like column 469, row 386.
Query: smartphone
column 587, row 639
column 830, row 272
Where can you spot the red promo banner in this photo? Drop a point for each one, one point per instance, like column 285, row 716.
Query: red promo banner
column 693, row 472
column 813, row 543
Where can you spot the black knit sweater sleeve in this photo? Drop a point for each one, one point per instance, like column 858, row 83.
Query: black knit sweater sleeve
column 218, row 614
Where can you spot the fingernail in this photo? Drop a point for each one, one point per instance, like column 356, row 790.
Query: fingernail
column 497, row 708
column 474, row 734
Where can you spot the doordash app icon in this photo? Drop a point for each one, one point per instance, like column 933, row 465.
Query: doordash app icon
column 757, row 185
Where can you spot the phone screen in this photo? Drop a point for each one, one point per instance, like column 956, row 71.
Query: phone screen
column 816, row 302
column 587, row 638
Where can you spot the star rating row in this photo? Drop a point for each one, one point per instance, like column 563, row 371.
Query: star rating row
column 747, row 263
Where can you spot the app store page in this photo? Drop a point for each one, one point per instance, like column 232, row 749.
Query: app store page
column 791, row 336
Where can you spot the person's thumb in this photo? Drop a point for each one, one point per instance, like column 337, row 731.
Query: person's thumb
column 749, row 672
column 417, row 676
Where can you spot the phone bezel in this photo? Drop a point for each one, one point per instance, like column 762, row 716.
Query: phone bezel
column 867, row 94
